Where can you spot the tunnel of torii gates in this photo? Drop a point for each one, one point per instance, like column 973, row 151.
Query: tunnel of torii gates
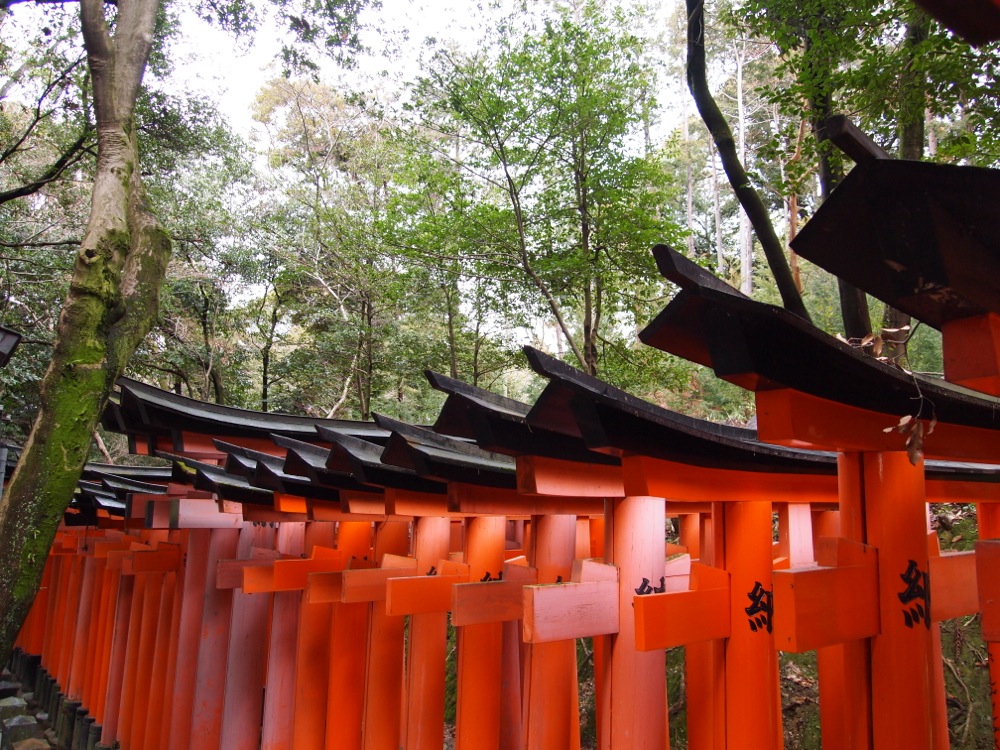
column 288, row 582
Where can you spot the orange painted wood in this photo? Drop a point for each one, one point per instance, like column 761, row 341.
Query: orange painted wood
column 348, row 659
column 67, row 632
column 491, row 601
column 897, row 523
column 290, row 503
column 83, row 626
column 796, row 419
column 355, row 538
column 370, row 585
column 151, row 736
column 363, row 503
column 312, row 660
column 559, row 611
column 279, row 700
column 100, row 619
column 384, row 667
column 681, row 617
column 845, row 669
column 324, row 588
column 291, row 574
column 213, row 651
column 957, row 491
column 690, row 534
column 954, row 585
column 184, row 666
column 414, row 595
column 260, row 514
column 551, row 476
column 480, row 647
column 56, row 615
column 987, row 562
column 971, row 352
column 704, row 670
column 795, row 535
column 34, row 635
column 469, row 500
column 632, row 699
column 977, row 340
column 191, row 513
column 586, row 571
column 752, row 687
column 326, row 512
column 345, row 700
column 845, row 695
column 130, row 666
column 164, row 557
column 704, row 662
column 136, row 707
column 229, row 573
column 247, row 648
column 551, row 714
column 822, row 606
column 279, row 695
column 423, row 719
column 410, row 503
column 684, row 482
column 169, row 654
column 116, row 642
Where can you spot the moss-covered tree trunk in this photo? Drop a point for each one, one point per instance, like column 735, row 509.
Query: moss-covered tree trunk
column 111, row 305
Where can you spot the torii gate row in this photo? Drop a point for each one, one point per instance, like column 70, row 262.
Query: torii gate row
column 911, row 234
column 556, row 472
column 813, row 391
column 547, row 476
column 547, row 607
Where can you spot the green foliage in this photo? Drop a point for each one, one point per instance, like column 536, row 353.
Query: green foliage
column 547, row 121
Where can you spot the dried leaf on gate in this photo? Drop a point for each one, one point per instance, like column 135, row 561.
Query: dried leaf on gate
column 915, row 443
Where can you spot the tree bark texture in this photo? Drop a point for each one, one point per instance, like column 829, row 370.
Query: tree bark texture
column 722, row 134
column 913, row 89
column 854, row 312
column 111, row 305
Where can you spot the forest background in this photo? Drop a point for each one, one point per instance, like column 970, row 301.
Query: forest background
column 421, row 186
column 443, row 200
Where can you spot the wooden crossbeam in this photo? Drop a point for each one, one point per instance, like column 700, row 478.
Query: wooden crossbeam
column 423, row 594
column 679, row 618
column 500, row 600
column 799, row 420
column 537, row 475
column 819, row 606
column 684, row 482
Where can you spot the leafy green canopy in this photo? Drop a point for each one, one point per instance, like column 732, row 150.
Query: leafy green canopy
column 546, row 125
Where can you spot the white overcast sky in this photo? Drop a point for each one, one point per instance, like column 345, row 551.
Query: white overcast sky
column 209, row 62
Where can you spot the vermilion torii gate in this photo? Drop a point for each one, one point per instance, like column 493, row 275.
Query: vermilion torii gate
column 290, row 582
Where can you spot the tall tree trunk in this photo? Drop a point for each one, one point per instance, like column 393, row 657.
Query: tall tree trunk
column 746, row 240
column 111, row 305
column 689, row 181
column 720, row 245
column 853, row 302
column 723, row 137
column 450, row 311
column 895, row 323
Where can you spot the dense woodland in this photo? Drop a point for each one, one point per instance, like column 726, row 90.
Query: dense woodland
column 392, row 204
column 493, row 193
